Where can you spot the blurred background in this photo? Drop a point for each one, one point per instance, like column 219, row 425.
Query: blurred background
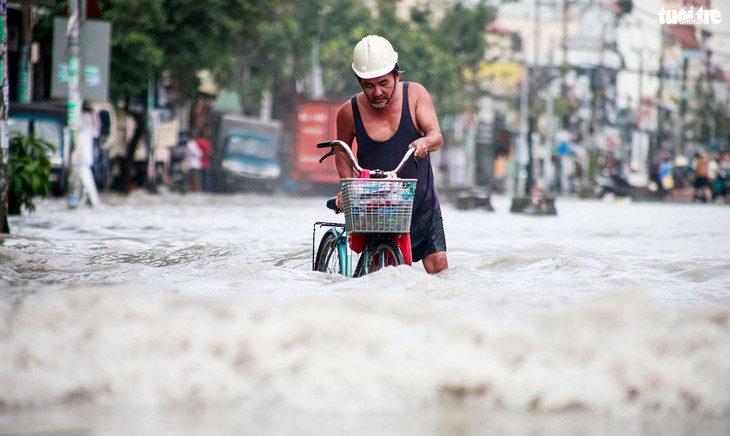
column 572, row 97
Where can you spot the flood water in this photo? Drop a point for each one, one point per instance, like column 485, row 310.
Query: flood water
column 199, row 314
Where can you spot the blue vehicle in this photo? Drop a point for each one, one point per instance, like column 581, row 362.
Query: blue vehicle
column 47, row 121
column 246, row 153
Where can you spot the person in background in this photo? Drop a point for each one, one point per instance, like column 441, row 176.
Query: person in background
column 723, row 173
column 682, row 173
column 83, row 185
column 387, row 118
column 701, row 169
column 205, row 169
column 194, row 161
column 713, row 175
column 666, row 177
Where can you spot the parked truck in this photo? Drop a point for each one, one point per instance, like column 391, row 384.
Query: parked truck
column 246, row 153
column 310, row 122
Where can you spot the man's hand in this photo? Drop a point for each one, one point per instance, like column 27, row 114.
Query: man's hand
column 421, row 148
column 338, row 202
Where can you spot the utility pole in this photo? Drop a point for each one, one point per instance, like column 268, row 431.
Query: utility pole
column 4, row 140
column 533, row 112
column 74, row 93
column 640, row 89
column 83, row 186
column 25, row 71
column 683, row 109
column 564, row 117
column 150, row 138
column 707, row 127
column 522, row 149
column 657, row 145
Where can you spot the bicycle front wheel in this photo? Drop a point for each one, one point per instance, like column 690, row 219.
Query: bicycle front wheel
column 385, row 253
column 328, row 254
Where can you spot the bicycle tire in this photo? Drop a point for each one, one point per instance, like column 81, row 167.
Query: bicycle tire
column 328, row 256
column 385, row 253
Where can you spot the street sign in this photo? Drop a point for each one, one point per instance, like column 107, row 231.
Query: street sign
column 95, row 56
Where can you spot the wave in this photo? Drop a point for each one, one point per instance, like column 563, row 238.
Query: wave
column 391, row 349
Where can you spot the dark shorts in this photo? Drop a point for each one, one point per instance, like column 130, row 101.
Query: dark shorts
column 429, row 242
column 702, row 182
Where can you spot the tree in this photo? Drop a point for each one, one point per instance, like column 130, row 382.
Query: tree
column 221, row 36
column 425, row 61
column 137, row 52
column 462, row 33
column 256, row 45
column 342, row 23
column 290, row 42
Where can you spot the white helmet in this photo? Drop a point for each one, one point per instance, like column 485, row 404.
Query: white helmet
column 373, row 57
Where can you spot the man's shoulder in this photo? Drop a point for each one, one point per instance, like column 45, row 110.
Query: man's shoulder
column 345, row 109
column 416, row 90
column 416, row 87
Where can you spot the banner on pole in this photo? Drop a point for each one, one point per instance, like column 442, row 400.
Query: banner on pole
column 95, row 48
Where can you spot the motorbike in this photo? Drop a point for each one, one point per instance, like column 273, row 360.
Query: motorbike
column 612, row 184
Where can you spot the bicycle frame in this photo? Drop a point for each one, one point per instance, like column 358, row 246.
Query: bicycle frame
column 380, row 249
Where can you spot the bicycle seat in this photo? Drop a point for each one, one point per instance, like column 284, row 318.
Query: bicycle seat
column 332, row 204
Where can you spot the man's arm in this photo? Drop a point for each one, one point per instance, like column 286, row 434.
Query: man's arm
column 346, row 134
column 427, row 122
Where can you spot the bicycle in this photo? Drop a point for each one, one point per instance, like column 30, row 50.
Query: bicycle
column 377, row 205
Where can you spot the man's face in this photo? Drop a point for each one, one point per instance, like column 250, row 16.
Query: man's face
column 379, row 90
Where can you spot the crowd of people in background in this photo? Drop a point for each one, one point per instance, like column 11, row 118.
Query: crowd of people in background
column 702, row 178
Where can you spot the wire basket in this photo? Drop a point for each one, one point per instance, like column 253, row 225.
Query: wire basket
column 378, row 205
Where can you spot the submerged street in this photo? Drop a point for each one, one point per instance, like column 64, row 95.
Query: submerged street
column 178, row 313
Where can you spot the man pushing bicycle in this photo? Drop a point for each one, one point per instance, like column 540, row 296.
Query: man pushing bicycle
column 387, row 118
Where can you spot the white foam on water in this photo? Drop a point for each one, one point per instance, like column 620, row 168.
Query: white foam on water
column 202, row 312
column 350, row 350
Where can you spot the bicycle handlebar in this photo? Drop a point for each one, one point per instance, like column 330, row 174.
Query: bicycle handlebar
column 374, row 173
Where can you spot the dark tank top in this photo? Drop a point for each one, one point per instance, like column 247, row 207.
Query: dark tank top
column 386, row 155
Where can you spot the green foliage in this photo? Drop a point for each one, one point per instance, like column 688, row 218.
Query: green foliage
column 136, row 52
column 344, row 23
column 461, row 34
column 423, row 61
column 211, row 34
column 253, row 45
column 29, row 172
